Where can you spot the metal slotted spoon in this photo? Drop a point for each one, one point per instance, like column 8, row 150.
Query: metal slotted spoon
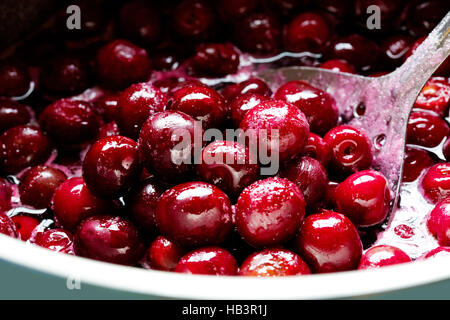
column 380, row 106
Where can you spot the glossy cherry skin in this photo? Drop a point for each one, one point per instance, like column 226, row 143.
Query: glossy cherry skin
column 163, row 254
column 210, row 260
column 364, row 198
column 7, row 226
column 108, row 107
column 108, row 129
column 38, row 185
column 252, row 85
column 382, row 255
column 310, row 176
column 273, row 263
column 242, row 103
column 278, row 126
column 111, row 165
column 438, row 222
column 426, row 129
column 229, row 166
column 437, row 252
column 350, row 149
column 21, row 147
column 165, row 61
column 306, row 32
column 316, row 147
column 139, row 22
column 25, row 226
column 120, row 63
column 436, row 182
column 269, row 212
column 69, row 121
column 435, row 96
column 136, row 104
column 12, row 114
column 355, row 49
column 338, row 66
column 394, row 49
column 64, row 76
column 158, row 143
column 230, row 10
column 329, row 242
column 14, row 79
column 194, row 214
column 415, row 162
column 58, row 240
column 72, row 201
column 141, row 203
column 5, row 195
column 215, row 59
column 194, row 19
column 318, row 106
column 259, row 33
column 446, row 149
column 108, row 238
column 202, row 103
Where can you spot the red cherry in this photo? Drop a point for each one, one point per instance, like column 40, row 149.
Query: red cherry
column 259, row 33
column 435, row 96
column 111, row 165
column 209, row 260
column 120, row 63
column 159, row 143
column 69, row 121
column 163, row 254
column 285, row 7
column 229, row 166
column 72, row 201
column 318, row 106
column 381, row 256
column 269, row 212
column 254, row 85
column 165, row 61
column 21, row 147
column 356, row 50
column 12, row 114
column 415, row 162
column 194, row 19
column 350, row 149
column 108, row 130
column 38, row 185
column 317, row 148
column 139, row 22
column 329, row 242
column 58, row 240
column 426, row 129
column 394, row 49
column 364, row 198
column 243, row 103
column 276, row 124
column 202, row 103
column 136, row 104
column 7, row 226
column 436, row 182
column 215, row 59
column 389, row 11
column 142, row 202
column 194, row 214
column 108, row 238
column 14, row 79
column 108, row 107
column 338, row 66
column 273, row 263
column 64, row 76
column 232, row 10
column 25, row 226
column 311, row 178
column 5, row 195
column 438, row 222
column 306, row 32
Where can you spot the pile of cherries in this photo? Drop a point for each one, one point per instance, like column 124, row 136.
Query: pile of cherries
column 89, row 161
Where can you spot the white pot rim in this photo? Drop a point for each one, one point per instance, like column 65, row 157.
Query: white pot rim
column 173, row 285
